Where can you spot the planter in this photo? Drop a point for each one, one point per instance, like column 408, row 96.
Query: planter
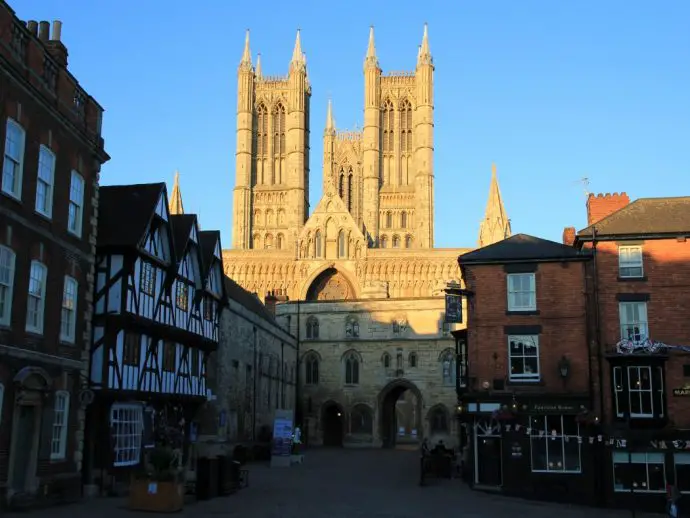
column 157, row 497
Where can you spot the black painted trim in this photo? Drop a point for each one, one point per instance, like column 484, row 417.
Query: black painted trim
column 522, row 313
column 632, row 297
column 522, row 330
column 632, row 279
column 520, row 267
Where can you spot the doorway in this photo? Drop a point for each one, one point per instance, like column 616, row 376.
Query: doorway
column 332, row 420
column 488, row 460
column 23, row 446
column 400, row 407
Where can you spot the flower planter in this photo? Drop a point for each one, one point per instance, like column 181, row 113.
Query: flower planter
column 157, row 497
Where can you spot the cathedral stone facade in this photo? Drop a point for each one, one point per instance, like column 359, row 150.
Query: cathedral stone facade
column 362, row 278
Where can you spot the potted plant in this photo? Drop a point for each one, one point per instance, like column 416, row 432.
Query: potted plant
column 159, row 487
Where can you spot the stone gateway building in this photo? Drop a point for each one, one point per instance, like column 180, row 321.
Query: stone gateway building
column 361, row 274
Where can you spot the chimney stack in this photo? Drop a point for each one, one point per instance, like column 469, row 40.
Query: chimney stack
column 32, row 25
column 569, row 236
column 603, row 205
column 44, row 31
column 55, row 46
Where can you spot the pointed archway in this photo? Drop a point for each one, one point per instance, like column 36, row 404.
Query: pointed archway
column 389, row 413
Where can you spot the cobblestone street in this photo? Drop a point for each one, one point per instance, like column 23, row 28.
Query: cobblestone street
column 348, row 484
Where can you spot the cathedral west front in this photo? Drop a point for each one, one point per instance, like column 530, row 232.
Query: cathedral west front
column 360, row 277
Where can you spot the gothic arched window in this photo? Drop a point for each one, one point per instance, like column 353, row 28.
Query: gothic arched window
column 389, row 219
column 396, row 242
column 405, row 142
column 279, row 242
column 261, row 143
column 387, row 139
column 438, row 420
column 351, row 369
column 342, row 244
column 448, row 367
column 386, row 360
column 318, row 244
column 341, row 184
column 268, row 242
column 350, row 188
column 257, row 217
column 312, row 328
column 403, row 219
column 278, row 144
column 412, row 360
column 384, row 242
column 408, row 242
column 256, row 241
column 352, row 328
column 311, row 369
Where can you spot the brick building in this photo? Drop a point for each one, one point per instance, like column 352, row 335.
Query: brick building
column 641, row 274
column 529, row 370
column 50, row 130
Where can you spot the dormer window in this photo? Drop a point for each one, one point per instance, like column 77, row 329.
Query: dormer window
column 630, row 264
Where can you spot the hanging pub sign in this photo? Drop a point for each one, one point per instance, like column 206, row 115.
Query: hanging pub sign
column 453, row 308
column 682, row 391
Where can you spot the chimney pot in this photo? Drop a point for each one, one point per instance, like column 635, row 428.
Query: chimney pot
column 57, row 30
column 44, row 31
column 32, row 25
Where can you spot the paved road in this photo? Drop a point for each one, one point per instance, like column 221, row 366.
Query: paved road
column 346, row 484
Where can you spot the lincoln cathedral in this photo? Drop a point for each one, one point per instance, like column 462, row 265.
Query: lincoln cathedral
column 360, row 281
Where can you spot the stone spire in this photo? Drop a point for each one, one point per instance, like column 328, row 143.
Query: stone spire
column 175, row 203
column 424, row 54
column 246, row 61
column 257, row 70
column 495, row 226
column 298, row 57
column 330, row 121
column 371, row 59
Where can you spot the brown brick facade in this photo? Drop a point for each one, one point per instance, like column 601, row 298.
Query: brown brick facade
column 36, row 367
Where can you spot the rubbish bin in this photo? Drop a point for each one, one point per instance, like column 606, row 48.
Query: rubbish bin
column 206, row 478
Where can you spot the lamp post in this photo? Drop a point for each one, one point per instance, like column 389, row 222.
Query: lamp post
column 564, row 368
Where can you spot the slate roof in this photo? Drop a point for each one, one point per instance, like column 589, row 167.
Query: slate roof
column 124, row 212
column 247, row 300
column 645, row 216
column 207, row 243
column 523, row 248
column 181, row 228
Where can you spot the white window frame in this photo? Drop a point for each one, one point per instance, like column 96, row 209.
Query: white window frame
column 682, row 458
column 127, row 423
column 513, row 292
column 630, row 262
column 76, row 204
column 527, row 341
column 623, row 457
column 40, row 309
column 68, row 315
column 543, row 434
column 49, row 181
column 7, row 262
column 16, row 192
column 639, row 321
column 619, row 391
column 58, row 443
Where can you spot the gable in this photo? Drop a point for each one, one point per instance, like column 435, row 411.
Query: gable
column 162, row 207
column 331, row 215
column 193, row 234
column 522, row 247
column 157, row 241
column 215, row 277
column 217, row 252
column 189, row 268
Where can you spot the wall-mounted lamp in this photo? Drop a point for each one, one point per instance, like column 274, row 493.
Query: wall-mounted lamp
column 564, row 367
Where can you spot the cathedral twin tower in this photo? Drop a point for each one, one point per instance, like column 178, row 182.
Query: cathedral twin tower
column 383, row 173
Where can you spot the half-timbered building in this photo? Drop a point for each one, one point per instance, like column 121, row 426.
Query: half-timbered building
column 52, row 151
column 157, row 302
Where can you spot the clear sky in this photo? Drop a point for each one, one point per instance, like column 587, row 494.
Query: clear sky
column 551, row 91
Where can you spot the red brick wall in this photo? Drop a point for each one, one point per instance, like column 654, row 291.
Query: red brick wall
column 601, row 205
column 667, row 273
column 560, row 289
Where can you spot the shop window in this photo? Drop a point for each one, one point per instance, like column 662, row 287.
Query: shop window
column 682, row 463
column 641, row 472
column 638, row 391
column 555, row 444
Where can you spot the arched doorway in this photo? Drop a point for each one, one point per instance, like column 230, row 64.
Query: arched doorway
column 330, row 285
column 400, row 411
column 332, row 421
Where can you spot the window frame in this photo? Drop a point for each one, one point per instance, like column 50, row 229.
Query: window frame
column 626, row 264
column 136, row 436
column 19, row 179
column 451, row 379
column 680, row 455
column 623, row 396
column 642, row 324
column 312, row 328
column 67, row 338
column 6, row 319
column 59, row 452
column 549, row 436
column 311, row 370
column 511, row 292
column 50, row 189
column 352, row 369
column 79, row 211
column 626, row 458
column 38, row 329
column 524, row 377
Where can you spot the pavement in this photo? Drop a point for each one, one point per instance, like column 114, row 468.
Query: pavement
column 344, row 484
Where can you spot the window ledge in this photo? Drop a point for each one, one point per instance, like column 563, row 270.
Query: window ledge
column 47, row 217
column 632, row 279
column 527, row 312
column 34, row 332
column 525, row 383
column 12, row 196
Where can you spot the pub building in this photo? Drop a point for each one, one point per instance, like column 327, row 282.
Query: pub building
column 528, row 403
column 639, row 270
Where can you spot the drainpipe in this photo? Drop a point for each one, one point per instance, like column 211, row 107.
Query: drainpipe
column 254, row 392
column 298, row 370
column 282, row 374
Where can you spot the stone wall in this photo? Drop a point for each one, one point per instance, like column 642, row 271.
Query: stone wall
column 397, row 343
column 243, row 402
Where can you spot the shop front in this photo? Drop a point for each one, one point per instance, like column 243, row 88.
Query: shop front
column 533, row 448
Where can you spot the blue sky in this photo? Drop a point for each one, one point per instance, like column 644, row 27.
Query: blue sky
column 550, row 91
